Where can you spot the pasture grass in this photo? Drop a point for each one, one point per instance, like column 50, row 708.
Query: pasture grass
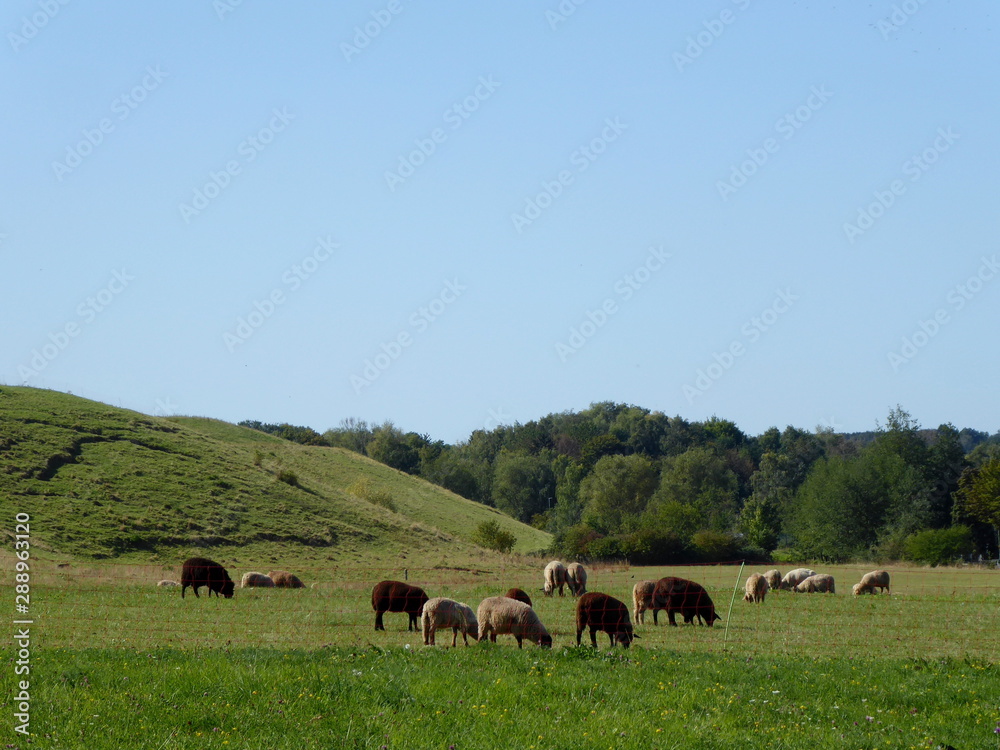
column 118, row 663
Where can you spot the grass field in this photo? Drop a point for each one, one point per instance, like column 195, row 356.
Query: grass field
column 115, row 658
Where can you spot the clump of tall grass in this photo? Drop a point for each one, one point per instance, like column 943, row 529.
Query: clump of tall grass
column 366, row 490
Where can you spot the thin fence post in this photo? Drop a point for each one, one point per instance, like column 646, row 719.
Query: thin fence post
column 729, row 614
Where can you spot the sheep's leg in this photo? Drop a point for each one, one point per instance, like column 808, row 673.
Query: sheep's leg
column 378, row 620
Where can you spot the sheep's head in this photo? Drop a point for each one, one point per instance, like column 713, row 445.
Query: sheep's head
column 625, row 637
column 548, row 588
column 545, row 640
column 227, row 589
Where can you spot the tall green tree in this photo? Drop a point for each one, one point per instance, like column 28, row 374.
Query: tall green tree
column 616, row 492
column 702, row 480
column 523, row 485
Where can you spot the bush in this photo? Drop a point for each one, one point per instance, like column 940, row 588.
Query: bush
column 489, row 535
column 653, row 547
column 715, row 546
column 938, row 546
column 607, row 548
column 288, row 477
column 364, row 489
column 575, row 541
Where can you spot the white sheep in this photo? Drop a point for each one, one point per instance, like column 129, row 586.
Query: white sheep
column 877, row 579
column 794, row 577
column 440, row 612
column 499, row 615
column 576, row 578
column 773, row 578
column 256, row 580
column 555, row 576
column 166, row 582
column 816, row 584
column 642, row 599
column 756, row 588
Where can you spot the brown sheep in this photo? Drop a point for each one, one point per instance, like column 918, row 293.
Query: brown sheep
column 396, row 596
column 605, row 613
column 756, row 588
column 877, row 579
column 687, row 597
column 200, row 571
column 642, row 599
column 285, row 580
column 518, row 595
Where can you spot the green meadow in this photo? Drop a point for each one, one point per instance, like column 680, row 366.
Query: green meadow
column 119, row 499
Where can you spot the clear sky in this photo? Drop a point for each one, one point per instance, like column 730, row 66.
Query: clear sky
column 453, row 215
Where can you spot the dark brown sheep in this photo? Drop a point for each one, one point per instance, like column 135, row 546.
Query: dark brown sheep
column 200, row 571
column 519, row 595
column 602, row 612
column 396, row 596
column 684, row 596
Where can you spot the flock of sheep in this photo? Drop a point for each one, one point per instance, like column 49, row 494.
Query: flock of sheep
column 512, row 613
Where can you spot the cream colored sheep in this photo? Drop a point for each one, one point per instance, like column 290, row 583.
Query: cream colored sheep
column 794, row 577
column 756, row 588
column 499, row 615
column 773, row 578
column 816, row 584
column 166, row 582
column 642, row 599
column 440, row 612
column 256, row 580
column 877, row 579
column 576, row 579
column 555, row 577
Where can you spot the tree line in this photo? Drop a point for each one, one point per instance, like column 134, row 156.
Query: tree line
column 618, row 481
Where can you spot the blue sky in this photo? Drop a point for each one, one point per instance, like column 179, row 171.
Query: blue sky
column 452, row 216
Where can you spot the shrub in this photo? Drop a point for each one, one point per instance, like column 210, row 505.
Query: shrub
column 938, row 546
column 715, row 546
column 575, row 541
column 489, row 535
column 607, row 548
column 655, row 547
column 288, row 477
column 365, row 490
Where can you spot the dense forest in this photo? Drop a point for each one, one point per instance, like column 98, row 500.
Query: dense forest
column 621, row 482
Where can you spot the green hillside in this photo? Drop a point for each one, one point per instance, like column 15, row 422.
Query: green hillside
column 102, row 482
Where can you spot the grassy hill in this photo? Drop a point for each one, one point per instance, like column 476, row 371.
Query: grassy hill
column 103, row 482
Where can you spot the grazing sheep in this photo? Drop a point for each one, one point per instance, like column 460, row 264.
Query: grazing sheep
column 816, row 584
column 794, row 577
column 440, row 612
column 576, row 578
column 773, row 578
column 756, row 588
column 877, row 579
column 396, row 596
column 166, row 582
column 200, row 571
column 256, row 580
column 642, row 599
column 555, row 577
column 285, row 580
column 602, row 612
column 519, row 595
column 498, row 615
column 687, row 597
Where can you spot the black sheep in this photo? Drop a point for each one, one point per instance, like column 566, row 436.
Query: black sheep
column 200, row 571
column 396, row 596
